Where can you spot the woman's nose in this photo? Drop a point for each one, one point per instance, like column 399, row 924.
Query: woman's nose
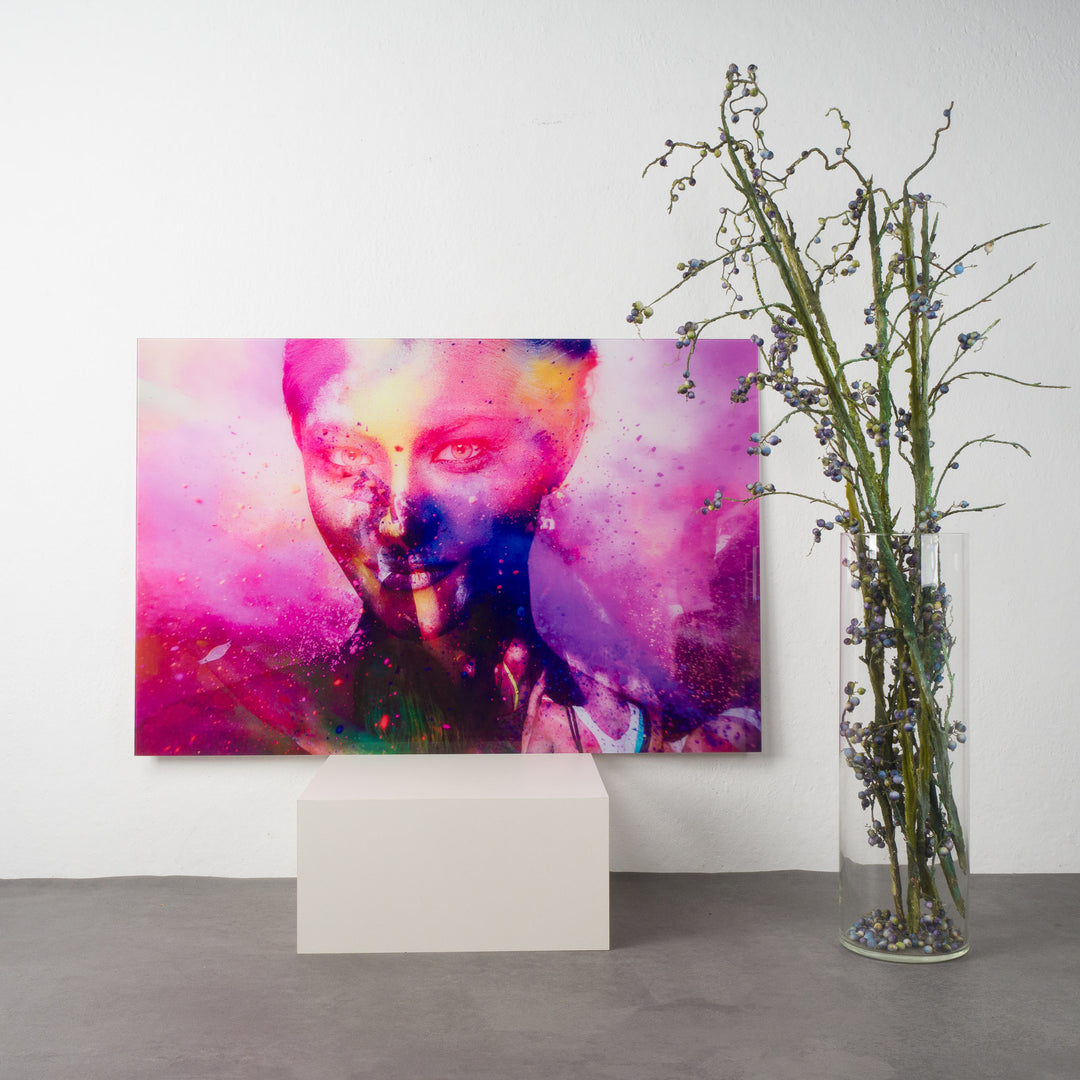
column 409, row 520
column 395, row 523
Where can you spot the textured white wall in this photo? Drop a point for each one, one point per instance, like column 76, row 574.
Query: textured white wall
column 262, row 168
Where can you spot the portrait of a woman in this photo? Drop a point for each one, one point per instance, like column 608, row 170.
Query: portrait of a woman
column 428, row 468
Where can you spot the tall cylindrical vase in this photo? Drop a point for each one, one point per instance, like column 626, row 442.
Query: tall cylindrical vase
column 903, row 760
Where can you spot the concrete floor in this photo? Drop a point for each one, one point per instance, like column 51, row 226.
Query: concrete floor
column 726, row 977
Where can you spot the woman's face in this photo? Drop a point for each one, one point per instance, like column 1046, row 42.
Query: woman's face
column 425, row 465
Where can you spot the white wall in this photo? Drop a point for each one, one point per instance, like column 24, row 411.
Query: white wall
column 455, row 167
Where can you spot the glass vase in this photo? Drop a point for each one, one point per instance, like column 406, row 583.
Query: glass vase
column 903, row 754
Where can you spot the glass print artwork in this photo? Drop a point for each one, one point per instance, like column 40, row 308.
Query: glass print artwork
column 443, row 546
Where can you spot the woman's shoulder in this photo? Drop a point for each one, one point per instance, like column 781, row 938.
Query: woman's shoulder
column 624, row 715
column 608, row 718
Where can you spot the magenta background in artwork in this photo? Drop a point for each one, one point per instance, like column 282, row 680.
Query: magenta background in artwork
column 228, row 554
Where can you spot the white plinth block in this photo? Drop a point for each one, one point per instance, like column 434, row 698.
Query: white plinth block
column 455, row 853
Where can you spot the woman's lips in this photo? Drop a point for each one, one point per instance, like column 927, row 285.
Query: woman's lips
column 402, row 577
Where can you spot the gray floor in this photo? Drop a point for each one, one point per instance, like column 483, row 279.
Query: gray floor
column 733, row 977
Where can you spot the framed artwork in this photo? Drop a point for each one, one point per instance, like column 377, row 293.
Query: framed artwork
column 418, row 546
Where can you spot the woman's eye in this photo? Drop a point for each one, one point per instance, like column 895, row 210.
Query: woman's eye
column 461, row 453
column 349, row 458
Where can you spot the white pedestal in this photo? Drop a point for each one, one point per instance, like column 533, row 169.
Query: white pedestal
column 462, row 853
